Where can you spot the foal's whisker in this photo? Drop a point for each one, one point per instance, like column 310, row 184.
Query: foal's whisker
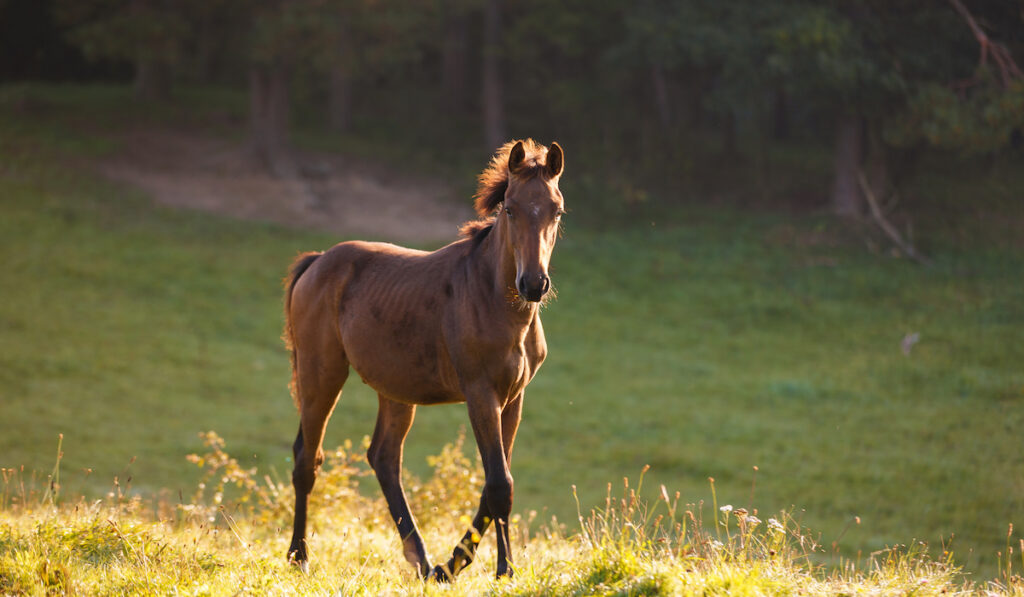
column 516, row 300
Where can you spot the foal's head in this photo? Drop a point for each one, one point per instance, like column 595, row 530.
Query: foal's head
column 522, row 181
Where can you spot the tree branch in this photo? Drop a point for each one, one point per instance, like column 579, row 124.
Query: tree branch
column 890, row 230
column 1000, row 54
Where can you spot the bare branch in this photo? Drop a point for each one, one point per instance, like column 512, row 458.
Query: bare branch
column 1008, row 68
column 887, row 227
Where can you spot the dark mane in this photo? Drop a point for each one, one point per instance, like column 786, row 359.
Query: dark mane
column 493, row 181
column 477, row 230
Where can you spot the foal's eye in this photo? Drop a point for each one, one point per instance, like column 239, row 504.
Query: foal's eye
column 508, row 212
column 559, row 213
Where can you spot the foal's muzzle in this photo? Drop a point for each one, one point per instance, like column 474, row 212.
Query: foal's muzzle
column 533, row 288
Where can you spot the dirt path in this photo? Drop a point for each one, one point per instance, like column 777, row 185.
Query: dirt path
column 193, row 170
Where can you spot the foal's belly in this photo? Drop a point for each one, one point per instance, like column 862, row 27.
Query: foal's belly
column 408, row 387
column 405, row 363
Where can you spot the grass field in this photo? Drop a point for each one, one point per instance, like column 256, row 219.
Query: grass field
column 702, row 341
column 210, row 544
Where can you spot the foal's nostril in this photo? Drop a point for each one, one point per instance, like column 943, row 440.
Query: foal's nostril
column 533, row 287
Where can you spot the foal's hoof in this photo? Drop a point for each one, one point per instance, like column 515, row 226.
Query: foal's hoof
column 441, row 574
column 302, row 564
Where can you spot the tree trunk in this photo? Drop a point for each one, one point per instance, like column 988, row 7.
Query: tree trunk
column 876, row 166
column 492, row 95
column 780, row 115
column 454, row 60
column 696, row 84
column 730, row 142
column 846, row 195
column 152, row 80
column 268, row 113
column 211, row 47
column 152, row 75
column 339, row 101
column 661, row 100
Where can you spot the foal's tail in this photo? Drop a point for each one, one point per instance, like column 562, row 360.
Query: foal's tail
column 299, row 266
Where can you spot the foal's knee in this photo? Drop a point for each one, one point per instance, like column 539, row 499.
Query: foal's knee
column 303, row 479
column 499, row 492
column 383, row 459
column 305, row 472
column 372, row 454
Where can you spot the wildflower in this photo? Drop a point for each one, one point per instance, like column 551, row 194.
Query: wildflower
column 752, row 520
column 776, row 526
column 726, row 508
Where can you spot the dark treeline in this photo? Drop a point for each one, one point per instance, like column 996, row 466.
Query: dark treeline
column 651, row 89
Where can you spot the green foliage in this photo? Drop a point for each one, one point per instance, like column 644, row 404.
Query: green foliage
column 689, row 69
column 973, row 121
column 707, row 85
column 831, row 59
column 129, row 30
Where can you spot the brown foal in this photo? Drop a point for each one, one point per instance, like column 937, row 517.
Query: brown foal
column 460, row 324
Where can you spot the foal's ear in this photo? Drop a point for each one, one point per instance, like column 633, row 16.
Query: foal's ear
column 556, row 160
column 516, row 157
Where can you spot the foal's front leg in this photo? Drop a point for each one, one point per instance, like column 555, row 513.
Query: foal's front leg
column 394, row 420
column 465, row 551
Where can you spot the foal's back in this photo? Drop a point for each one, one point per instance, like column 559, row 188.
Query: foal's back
column 390, row 306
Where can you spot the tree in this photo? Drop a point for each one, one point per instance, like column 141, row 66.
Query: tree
column 341, row 78
column 272, row 41
column 492, row 93
column 338, row 47
column 455, row 54
column 887, row 73
column 148, row 33
column 969, row 112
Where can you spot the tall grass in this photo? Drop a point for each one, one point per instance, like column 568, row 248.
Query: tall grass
column 230, row 536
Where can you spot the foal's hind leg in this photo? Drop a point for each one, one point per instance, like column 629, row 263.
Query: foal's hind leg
column 385, row 456
column 465, row 551
column 317, row 388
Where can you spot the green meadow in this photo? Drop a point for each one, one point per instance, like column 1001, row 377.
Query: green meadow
column 701, row 340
